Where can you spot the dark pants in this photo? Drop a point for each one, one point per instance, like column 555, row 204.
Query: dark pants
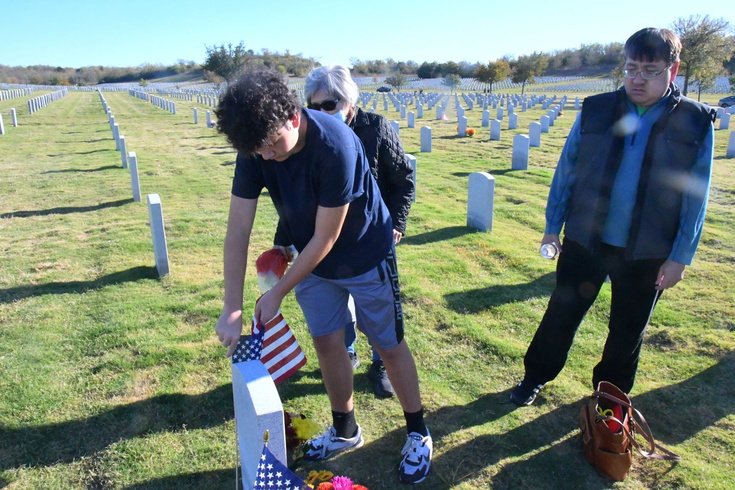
column 579, row 276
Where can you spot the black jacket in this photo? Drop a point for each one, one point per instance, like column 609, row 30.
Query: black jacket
column 388, row 163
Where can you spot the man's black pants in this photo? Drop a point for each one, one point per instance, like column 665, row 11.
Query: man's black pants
column 579, row 277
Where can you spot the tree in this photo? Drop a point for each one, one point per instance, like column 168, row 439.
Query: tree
column 492, row 72
column 396, row 81
column 705, row 42
column 227, row 61
column 452, row 81
column 527, row 68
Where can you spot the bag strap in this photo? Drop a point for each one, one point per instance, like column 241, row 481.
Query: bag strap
column 645, row 430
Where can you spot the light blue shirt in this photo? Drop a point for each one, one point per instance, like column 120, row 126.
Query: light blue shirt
column 625, row 187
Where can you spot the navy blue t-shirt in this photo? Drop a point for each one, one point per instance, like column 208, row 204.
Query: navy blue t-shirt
column 330, row 171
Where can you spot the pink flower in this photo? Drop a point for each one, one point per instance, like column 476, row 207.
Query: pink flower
column 342, row 483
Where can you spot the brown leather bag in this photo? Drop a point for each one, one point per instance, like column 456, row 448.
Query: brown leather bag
column 609, row 439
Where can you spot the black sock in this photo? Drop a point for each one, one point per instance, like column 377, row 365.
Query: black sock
column 345, row 424
column 415, row 422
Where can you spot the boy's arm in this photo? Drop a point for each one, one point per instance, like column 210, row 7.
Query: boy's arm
column 237, row 240
column 328, row 226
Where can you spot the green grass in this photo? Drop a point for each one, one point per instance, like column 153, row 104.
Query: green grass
column 113, row 378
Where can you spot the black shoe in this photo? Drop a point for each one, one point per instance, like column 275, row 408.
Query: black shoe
column 525, row 393
column 354, row 360
column 382, row 386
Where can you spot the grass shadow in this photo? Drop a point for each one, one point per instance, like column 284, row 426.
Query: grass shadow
column 203, row 480
column 11, row 295
column 477, row 300
column 75, row 170
column 67, row 209
column 448, row 233
column 64, row 442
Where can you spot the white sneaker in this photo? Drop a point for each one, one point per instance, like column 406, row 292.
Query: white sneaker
column 416, row 462
column 328, row 444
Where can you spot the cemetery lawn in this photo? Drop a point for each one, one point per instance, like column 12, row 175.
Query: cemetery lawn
column 113, row 378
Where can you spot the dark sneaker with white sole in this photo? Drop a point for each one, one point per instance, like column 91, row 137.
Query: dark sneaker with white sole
column 416, row 462
column 328, row 444
column 378, row 377
column 525, row 393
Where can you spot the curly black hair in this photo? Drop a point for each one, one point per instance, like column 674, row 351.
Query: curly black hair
column 255, row 106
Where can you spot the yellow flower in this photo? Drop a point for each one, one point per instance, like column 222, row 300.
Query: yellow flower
column 326, row 475
column 305, row 428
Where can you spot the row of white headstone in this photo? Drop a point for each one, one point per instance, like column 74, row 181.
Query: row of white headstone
column 155, row 208
column 165, row 104
column 15, row 93
column 37, row 103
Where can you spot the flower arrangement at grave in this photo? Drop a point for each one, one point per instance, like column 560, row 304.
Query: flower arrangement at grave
column 299, row 429
column 331, row 482
column 470, row 131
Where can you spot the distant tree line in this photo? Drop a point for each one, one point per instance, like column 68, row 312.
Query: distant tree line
column 90, row 75
column 708, row 52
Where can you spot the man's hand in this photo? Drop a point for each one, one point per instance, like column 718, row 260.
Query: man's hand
column 229, row 329
column 669, row 274
column 397, row 235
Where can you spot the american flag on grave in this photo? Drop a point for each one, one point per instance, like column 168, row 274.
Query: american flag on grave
column 281, row 354
column 272, row 474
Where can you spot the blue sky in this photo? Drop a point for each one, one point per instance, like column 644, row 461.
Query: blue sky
column 76, row 33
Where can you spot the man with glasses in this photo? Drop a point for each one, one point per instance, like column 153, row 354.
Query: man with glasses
column 329, row 205
column 630, row 191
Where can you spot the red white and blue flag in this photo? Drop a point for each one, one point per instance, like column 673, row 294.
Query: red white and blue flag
column 274, row 475
column 280, row 353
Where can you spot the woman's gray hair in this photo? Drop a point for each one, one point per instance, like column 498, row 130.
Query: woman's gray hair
column 334, row 80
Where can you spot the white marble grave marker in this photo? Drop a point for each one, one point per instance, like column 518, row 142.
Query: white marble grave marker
column 495, row 129
column 545, row 122
column 257, row 408
column 480, row 198
column 462, row 126
column 725, row 121
column 196, row 116
column 134, row 180
column 534, row 134
column 123, row 152
column 520, row 152
column 731, row 146
column 426, row 139
column 411, row 119
column 14, row 117
column 2, row 126
column 396, row 127
column 513, row 121
column 158, row 233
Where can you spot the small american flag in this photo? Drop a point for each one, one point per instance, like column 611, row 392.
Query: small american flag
column 276, row 346
column 272, row 474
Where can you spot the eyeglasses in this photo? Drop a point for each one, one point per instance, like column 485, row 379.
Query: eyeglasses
column 327, row 105
column 645, row 74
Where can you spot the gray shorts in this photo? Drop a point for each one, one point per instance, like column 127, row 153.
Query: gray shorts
column 377, row 304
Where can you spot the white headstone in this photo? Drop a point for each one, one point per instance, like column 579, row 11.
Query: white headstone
column 134, row 181
column 257, row 408
column 426, row 139
column 411, row 120
column 158, row 233
column 462, row 126
column 123, row 152
column 534, row 135
column 499, row 115
column 14, row 117
column 495, row 129
column 485, row 118
column 196, row 116
column 513, row 121
column 725, row 121
column 731, row 146
column 209, row 119
column 396, row 127
column 519, row 160
column 545, row 122
column 480, row 198
column 2, row 126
